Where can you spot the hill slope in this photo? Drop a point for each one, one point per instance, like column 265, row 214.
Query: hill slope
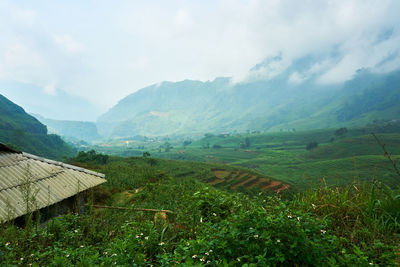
column 26, row 133
column 81, row 130
column 194, row 107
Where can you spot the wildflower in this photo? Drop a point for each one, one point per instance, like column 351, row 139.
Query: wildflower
column 194, row 256
column 313, row 206
column 81, row 246
column 8, row 243
column 105, row 252
column 264, row 200
column 31, row 255
column 21, row 259
column 256, row 236
column 113, row 255
column 162, row 243
column 147, row 238
column 207, row 253
column 323, row 231
column 210, row 250
column 371, row 263
column 208, row 261
column 141, row 233
column 67, row 255
column 214, row 214
column 76, row 230
column 187, row 243
column 278, row 241
column 202, row 259
column 298, row 218
column 201, row 219
column 237, row 259
column 137, row 236
column 289, row 216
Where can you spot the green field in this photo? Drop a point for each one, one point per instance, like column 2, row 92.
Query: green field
column 338, row 160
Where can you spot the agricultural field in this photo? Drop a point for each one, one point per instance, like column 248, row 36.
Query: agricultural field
column 338, row 159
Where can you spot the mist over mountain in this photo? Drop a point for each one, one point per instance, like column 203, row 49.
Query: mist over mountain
column 78, row 130
column 49, row 101
column 273, row 97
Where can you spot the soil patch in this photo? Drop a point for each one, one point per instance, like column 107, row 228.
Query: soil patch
column 251, row 178
column 221, row 174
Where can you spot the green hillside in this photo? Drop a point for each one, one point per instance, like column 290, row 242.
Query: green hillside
column 24, row 132
column 192, row 108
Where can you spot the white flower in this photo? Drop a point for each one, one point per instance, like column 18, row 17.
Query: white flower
column 237, row 259
column 255, row 236
column 113, row 255
column 141, row 233
column 201, row 219
column 147, row 238
column 81, row 246
column 162, row 243
column 202, row 259
column 21, row 259
column 67, row 255
column 194, row 256
column 137, row 236
column 289, row 216
column 8, row 243
column 76, row 230
column 298, row 218
column 214, row 214
column 323, row 231
column 207, row 253
column 313, row 206
column 210, row 250
column 278, row 241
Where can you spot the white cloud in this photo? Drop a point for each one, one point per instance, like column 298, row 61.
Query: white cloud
column 67, row 42
column 50, row 89
column 107, row 52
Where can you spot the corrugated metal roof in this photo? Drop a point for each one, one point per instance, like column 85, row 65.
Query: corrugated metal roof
column 49, row 181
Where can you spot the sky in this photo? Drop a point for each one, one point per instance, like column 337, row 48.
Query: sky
column 101, row 51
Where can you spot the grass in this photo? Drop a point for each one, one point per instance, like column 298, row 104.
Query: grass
column 355, row 225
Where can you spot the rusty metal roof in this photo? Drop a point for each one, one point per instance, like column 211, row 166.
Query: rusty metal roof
column 49, row 182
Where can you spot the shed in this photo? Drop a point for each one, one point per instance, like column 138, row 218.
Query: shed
column 30, row 183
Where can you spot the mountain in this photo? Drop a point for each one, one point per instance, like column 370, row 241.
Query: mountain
column 24, row 132
column 293, row 98
column 78, row 130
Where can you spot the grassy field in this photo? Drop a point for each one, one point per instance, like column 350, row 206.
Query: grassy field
column 355, row 225
column 338, row 159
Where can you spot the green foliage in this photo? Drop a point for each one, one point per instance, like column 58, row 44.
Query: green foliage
column 311, row 145
column 341, row 132
column 91, row 157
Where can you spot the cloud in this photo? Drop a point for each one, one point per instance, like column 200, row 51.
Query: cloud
column 103, row 51
column 67, row 43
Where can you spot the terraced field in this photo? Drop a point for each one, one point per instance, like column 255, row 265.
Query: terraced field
column 237, row 179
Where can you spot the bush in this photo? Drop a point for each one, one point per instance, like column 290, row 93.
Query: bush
column 311, row 145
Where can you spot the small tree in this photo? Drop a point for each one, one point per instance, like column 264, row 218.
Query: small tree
column 311, row 145
column 341, row 132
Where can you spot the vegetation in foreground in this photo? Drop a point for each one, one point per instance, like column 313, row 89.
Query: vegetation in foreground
column 355, row 225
